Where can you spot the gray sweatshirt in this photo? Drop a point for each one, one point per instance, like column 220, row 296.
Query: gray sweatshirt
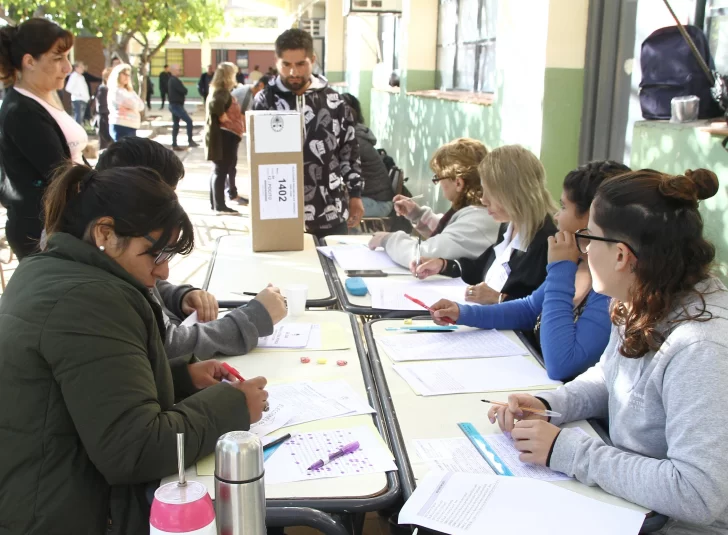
column 235, row 334
column 668, row 420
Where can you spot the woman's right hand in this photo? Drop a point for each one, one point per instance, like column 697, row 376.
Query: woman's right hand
column 403, row 206
column 256, row 396
column 273, row 302
column 444, row 309
column 507, row 416
column 428, row 267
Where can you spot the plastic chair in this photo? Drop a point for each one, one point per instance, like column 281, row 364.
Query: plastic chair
column 374, row 224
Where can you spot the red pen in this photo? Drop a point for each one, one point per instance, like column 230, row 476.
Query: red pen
column 233, row 371
column 418, row 302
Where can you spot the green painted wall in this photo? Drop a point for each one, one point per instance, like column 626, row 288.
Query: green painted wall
column 418, row 80
column 359, row 84
column 335, row 76
column 562, row 101
column 673, row 148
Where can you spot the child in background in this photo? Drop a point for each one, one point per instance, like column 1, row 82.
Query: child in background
column 568, row 319
column 465, row 230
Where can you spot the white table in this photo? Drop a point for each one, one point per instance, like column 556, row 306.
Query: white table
column 417, row 417
column 235, row 269
column 368, row 492
column 362, row 305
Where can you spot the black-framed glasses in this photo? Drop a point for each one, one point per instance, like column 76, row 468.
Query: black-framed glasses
column 436, row 179
column 163, row 256
column 583, row 239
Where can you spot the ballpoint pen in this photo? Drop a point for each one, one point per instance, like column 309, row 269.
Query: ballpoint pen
column 233, row 371
column 538, row 412
column 276, row 442
column 343, row 450
column 418, row 302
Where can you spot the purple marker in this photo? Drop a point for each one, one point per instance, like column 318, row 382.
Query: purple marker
column 349, row 448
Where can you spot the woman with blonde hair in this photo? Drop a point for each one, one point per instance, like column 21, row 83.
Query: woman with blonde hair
column 515, row 195
column 125, row 106
column 465, row 230
column 223, row 132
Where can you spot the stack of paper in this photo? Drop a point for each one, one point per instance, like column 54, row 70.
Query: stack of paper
column 324, row 336
column 475, row 375
column 287, row 335
column 351, row 257
column 291, row 461
column 473, row 504
column 446, row 346
column 389, row 295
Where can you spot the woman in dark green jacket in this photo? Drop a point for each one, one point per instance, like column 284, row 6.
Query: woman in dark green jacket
column 91, row 404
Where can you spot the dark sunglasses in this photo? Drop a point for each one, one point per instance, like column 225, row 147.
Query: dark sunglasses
column 436, row 179
column 583, row 239
column 163, row 256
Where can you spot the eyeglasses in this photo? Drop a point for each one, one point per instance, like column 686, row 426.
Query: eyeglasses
column 583, row 239
column 436, row 179
column 163, row 256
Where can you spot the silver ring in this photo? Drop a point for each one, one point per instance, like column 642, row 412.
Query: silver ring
column 470, row 291
column 266, row 407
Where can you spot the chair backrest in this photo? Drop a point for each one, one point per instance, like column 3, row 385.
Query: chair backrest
column 396, row 175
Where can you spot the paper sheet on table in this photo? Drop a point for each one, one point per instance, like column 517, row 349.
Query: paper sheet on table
column 350, row 257
column 326, row 250
column 499, row 374
column 446, row 346
column 310, row 404
column 278, row 415
column 292, row 459
column 459, row 455
column 342, row 392
column 325, row 336
column 190, row 320
column 470, row 504
column 389, row 295
column 287, row 336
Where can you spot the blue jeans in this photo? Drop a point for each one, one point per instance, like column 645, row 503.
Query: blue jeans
column 79, row 110
column 118, row 132
column 179, row 112
column 374, row 208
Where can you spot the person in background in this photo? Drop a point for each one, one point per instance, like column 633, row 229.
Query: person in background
column 255, row 75
column 223, row 132
column 88, row 370
column 163, row 84
column 465, row 230
column 150, row 91
column 377, row 194
column 235, row 334
column 666, row 363
column 568, row 319
column 203, row 85
column 240, row 76
column 332, row 170
column 514, row 192
column 79, row 91
column 125, row 106
column 115, row 60
column 102, row 94
column 177, row 95
column 36, row 133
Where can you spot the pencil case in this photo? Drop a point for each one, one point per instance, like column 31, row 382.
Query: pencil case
column 356, row 286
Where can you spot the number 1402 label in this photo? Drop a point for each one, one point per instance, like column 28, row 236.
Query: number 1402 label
column 278, row 191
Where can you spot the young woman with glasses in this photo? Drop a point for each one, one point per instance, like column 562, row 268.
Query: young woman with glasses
column 465, row 230
column 663, row 378
column 568, row 320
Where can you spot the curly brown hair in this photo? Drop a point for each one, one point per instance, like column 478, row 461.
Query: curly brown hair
column 657, row 214
column 460, row 158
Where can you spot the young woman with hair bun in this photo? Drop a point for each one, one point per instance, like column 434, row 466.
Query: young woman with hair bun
column 663, row 378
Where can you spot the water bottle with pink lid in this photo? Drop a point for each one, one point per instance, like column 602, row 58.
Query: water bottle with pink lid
column 183, row 507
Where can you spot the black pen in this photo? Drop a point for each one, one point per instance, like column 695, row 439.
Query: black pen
column 279, row 440
column 245, row 293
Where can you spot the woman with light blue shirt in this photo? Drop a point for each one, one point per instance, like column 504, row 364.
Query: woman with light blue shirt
column 568, row 319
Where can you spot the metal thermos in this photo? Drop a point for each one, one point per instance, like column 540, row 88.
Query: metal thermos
column 239, row 487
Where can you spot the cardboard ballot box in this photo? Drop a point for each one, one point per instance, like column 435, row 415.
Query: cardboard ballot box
column 275, row 155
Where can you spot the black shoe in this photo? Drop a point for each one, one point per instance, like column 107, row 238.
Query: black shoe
column 242, row 201
column 178, row 148
column 192, row 144
column 226, row 210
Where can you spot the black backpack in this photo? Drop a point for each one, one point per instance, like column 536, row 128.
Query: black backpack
column 669, row 70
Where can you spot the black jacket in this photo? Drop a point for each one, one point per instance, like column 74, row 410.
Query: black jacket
column 377, row 184
column 102, row 99
column 164, row 81
column 203, row 86
column 332, row 170
column 528, row 269
column 176, row 90
column 32, row 146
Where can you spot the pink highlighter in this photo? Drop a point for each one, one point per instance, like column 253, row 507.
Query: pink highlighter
column 343, row 450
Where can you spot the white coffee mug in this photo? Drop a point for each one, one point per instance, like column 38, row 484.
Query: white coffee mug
column 296, row 295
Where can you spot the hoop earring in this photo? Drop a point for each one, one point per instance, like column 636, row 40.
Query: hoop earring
column 102, row 248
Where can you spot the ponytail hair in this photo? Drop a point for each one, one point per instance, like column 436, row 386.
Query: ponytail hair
column 658, row 215
column 135, row 198
column 35, row 37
